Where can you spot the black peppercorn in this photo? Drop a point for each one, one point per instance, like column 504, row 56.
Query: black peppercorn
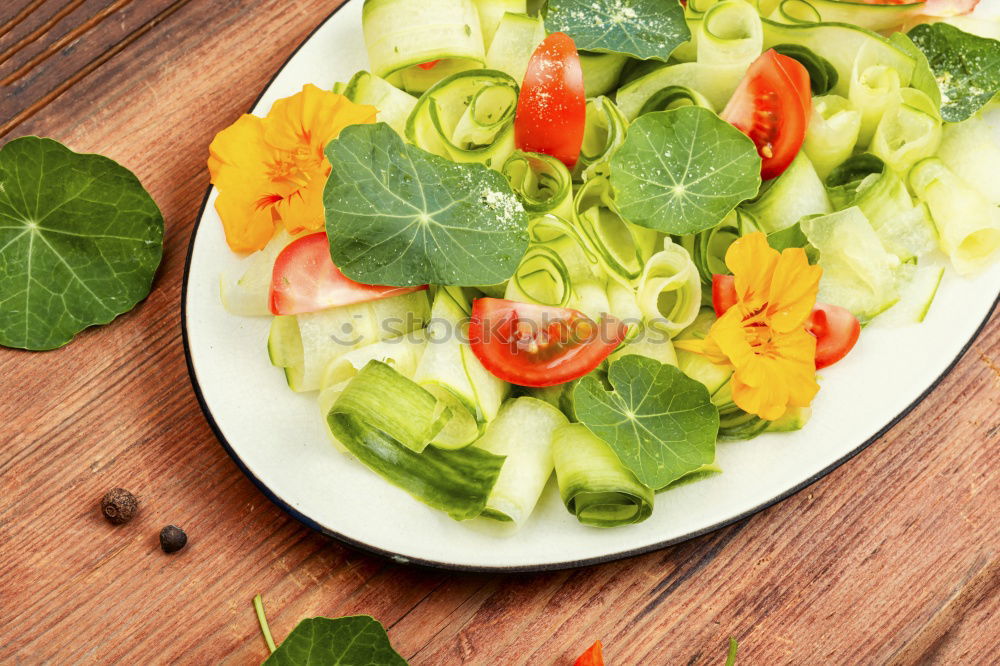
column 119, row 506
column 172, row 539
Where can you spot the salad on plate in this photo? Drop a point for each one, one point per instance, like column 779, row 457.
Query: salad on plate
column 592, row 239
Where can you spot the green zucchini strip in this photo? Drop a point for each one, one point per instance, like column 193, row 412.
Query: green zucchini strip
column 731, row 34
column 909, row 130
column 968, row 225
column 397, row 406
column 593, row 484
column 669, row 291
column 456, row 482
column 622, row 248
column 543, row 183
column 467, row 117
column 522, row 433
column 833, row 133
column 603, row 133
column 400, row 34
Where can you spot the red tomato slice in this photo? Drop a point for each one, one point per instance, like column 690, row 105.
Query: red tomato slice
column 536, row 345
column 305, row 280
column 835, row 328
column 428, row 65
column 836, row 331
column 594, row 656
column 772, row 106
column 552, row 107
column 723, row 293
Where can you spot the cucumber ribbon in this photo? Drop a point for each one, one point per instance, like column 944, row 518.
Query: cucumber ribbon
column 593, row 484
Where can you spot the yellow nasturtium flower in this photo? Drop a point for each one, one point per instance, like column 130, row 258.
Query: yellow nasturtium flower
column 763, row 337
column 272, row 170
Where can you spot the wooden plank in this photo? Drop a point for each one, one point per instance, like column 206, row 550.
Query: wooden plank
column 892, row 558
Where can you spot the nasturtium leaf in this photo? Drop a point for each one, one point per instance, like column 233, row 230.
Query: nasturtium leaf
column 358, row 640
column 80, row 242
column 967, row 67
column 683, row 171
column 661, row 424
column 398, row 215
column 644, row 29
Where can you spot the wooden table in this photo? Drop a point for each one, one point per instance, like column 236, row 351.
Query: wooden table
column 894, row 557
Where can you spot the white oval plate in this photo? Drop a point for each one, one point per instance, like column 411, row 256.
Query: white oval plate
column 277, row 437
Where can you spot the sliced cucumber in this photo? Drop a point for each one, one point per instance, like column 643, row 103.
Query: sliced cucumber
column 790, row 197
column 871, row 16
column 840, row 44
column 417, row 80
column 389, row 402
column 467, row 117
column 400, row 34
column 794, row 419
column 920, row 285
column 872, row 90
column 601, row 72
column 909, row 131
column 968, row 225
column 522, row 433
column 696, row 366
column 669, row 290
column 402, row 353
column 651, row 345
column 731, row 34
column 517, row 37
column 394, row 106
column 833, row 133
column 971, row 149
column 716, row 83
column 858, row 274
column 491, row 15
column 304, row 345
column 542, row 182
column 603, row 133
column 244, row 291
column 448, row 361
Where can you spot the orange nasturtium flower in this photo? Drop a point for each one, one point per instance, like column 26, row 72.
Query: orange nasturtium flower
column 272, row 170
column 763, row 337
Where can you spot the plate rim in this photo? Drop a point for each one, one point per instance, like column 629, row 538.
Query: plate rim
column 451, row 566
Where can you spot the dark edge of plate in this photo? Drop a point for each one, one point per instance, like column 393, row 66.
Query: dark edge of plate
column 557, row 566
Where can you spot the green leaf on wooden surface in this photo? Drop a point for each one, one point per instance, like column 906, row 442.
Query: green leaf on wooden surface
column 80, row 242
column 644, row 29
column 683, row 171
column 398, row 215
column 660, row 423
column 358, row 640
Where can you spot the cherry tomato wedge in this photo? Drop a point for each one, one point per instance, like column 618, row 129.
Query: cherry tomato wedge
column 536, row 345
column 594, row 656
column 723, row 293
column 305, row 280
column 835, row 328
column 552, row 107
column 772, row 106
column 836, row 331
column 428, row 65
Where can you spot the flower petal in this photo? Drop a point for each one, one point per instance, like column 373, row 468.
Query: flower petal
column 752, row 262
column 792, row 295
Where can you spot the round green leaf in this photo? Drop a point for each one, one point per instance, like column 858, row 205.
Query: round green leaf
column 660, row 423
column 80, row 242
column 683, row 171
column 398, row 215
column 644, row 29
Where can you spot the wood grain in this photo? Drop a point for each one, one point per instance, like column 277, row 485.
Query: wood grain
column 892, row 558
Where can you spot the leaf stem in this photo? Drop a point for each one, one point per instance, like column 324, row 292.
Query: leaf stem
column 731, row 657
column 258, row 606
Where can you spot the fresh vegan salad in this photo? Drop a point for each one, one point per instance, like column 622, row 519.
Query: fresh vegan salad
column 594, row 238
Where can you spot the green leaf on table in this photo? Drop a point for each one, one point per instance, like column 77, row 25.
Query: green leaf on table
column 660, row 423
column 644, row 29
column 967, row 67
column 398, row 215
column 80, row 242
column 683, row 171
column 358, row 640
